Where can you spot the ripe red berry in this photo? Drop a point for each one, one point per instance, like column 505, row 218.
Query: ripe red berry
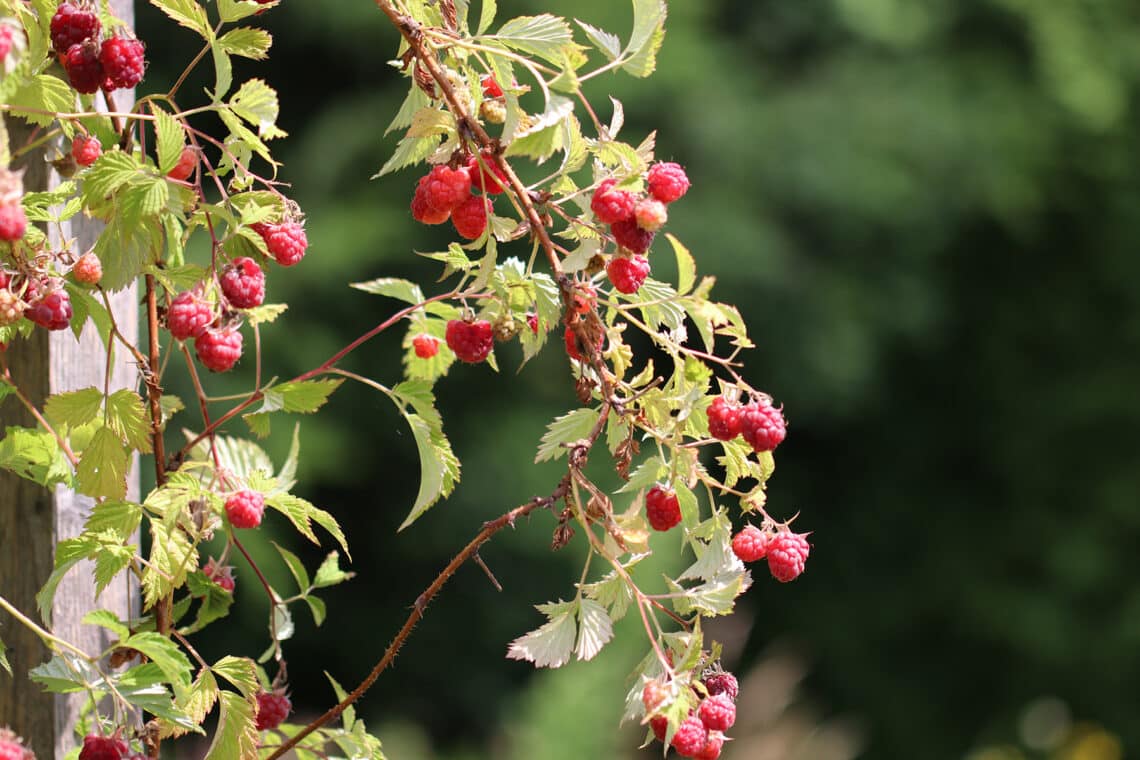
column 425, row 345
column 667, row 181
column 243, row 283
column 223, row 575
column 750, row 544
column 488, row 176
column 103, row 748
column 491, row 88
column 123, row 62
column 717, row 713
column 73, row 24
column 787, row 554
column 532, row 322
column 272, row 709
column 690, row 737
column 88, row 269
column 627, row 273
column 471, row 341
column 712, row 748
column 631, row 237
column 422, row 211
column 5, row 48
column 762, row 425
column 650, row 214
column 470, row 217
column 84, row 69
column 11, row 748
column 722, row 683
column 244, row 508
column 13, row 222
column 218, row 349
column 187, row 163
column 660, row 726
column 188, row 315
column 286, row 241
column 571, row 340
column 662, row 508
column 724, row 419
column 446, row 188
column 51, row 310
column 611, row 205
column 86, row 149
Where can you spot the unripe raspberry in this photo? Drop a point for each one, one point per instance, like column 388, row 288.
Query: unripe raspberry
column 487, row 176
column 425, row 345
column 187, row 163
column 11, row 307
column 712, row 748
column 722, row 683
column 84, row 69
column 51, row 310
column 286, row 241
column 244, row 508
column 662, row 508
column 223, row 575
column 627, row 273
column 11, row 748
column 86, row 149
column 660, row 726
column 13, row 222
column 650, row 214
column 570, row 338
column 493, row 111
column 243, row 283
column 491, row 88
column 667, row 181
column 750, row 544
column 123, row 62
column 724, row 419
column 762, row 425
column 470, row 217
column 103, row 748
column 631, row 237
column 272, row 709
column 88, row 269
column 717, row 713
column 611, row 205
column 73, row 24
column 188, row 315
column 471, row 341
column 654, row 696
column 446, row 188
column 690, row 737
column 787, row 554
column 218, row 349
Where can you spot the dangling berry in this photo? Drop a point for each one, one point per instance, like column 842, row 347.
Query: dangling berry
column 52, row 310
column 667, row 181
column 724, row 419
column 750, row 544
column 631, row 237
column 13, row 222
column 470, row 217
column 11, row 307
column 188, row 315
column 223, row 575
column 486, row 176
column 244, row 508
column 187, row 163
column 243, row 283
column 103, row 748
column 690, row 737
column 571, row 340
column 123, row 62
column 422, row 211
column 425, row 345
column 11, row 748
column 86, row 149
column 650, row 214
column 88, row 269
column 218, row 349
column 762, row 425
column 446, row 188
column 272, row 709
column 722, row 683
column 627, row 273
column 84, row 69
column 717, row 713
column 660, row 726
column 286, row 241
column 662, row 508
column 712, row 748
column 491, row 88
column 611, row 205
column 471, row 341
column 73, row 24
column 787, row 554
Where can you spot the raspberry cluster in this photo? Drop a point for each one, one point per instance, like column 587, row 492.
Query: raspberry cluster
column 92, row 61
column 760, row 424
column 459, row 194
column 701, row 734
column 787, row 552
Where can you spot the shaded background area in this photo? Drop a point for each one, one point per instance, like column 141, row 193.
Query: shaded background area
column 928, row 211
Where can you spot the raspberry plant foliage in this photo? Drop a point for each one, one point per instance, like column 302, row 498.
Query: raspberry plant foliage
column 568, row 251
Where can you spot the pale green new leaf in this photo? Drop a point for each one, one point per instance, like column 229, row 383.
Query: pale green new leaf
column 349, row 715
column 409, row 150
column 186, row 13
column 109, row 620
column 102, row 470
column 393, row 287
column 545, row 36
column 566, row 429
column 595, row 629
column 415, row 100
column 236, row 737
column 551, row 644
column 648, row 34
column 202, row 697
column 714, row 558
column 42, row 93
column 256, row 102
column 329, row 572
column 171, row 139
column 304, row 397
column 247, row 42
column 126, row 415
column 241, row 672
column 231, row 10
column 611, row 591
column 686, row 265
column 608, row 43
column 73, row 408
column 110, row 171
column 223, row 72
column 713, row 597
column 647, row 473
column 303, row 514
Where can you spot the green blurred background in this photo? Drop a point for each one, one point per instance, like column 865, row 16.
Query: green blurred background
column 928, row 211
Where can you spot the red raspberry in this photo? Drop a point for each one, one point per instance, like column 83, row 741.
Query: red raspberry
column 5, row 48
column 750, row 544
column 611, row 205
column 88, row 269
column 787, row 553
column 286, row 241
column 471, row 341
column 13, row 222
column 422, row 212
column 272, row 708
column 660, row 726
column 11, row 307
column 627, row 273
column 73, row 24
column 491, row 179
column 717, row 713
column 631, row 237
column 690, row 737
column 103, row 748
column 491, row 88
column 245, row 508
column 651, row 214
column 762, row 425
column 187, row 163
column 571, row 340
column 722, row 683
column 470, row 217
column 712, row 748
column 223, row 575
column 724, row 419
column 52, row 310
column 86, row 149
column 11, row 748
column 446, row 188
column 584, row 298
column 532, row 322
column 123, row 62
column 662, row 508
column 667, row 181
column 243, row 283
column 219, row 349
column 425, row 346
column 84, row 69
column 189, row 315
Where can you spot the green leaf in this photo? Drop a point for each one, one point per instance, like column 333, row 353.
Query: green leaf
column 304, row 397
column 109, row 620
column 247, row 42
column 202, row 697
column 172, row 556
column 68, row 553
column 317, row 607
column 186, row 13
column 296, row 567
column 167, row 655
column 608, row 43
column 613, row 592
column 4, row 658
column 229, row 10
column 349, row 714
column 303, row 514
column 256, row 102
column 171, row 139
column 143, row 687
column 127, row 416
column 110, row 171
column 714, row 597
column 236, row 737
column 595, row 629
column 241, row 672
column 42, row 93
column 86, row 308
column 223, row 72
column 73, row 408
column 112, row 559
column 568, row 428
column 648, row 34
column 414, row 102
column 487, row 16
column 102, row 470
column 439, row 468
column 686, row 265
column 64, row 674
column 393, row 287
column 329, row 573
column 410, row 150
column 550, row 645
column 241, row 457
column 35, row 455
column 546, row 36
column 264, row 314
column 647, row 473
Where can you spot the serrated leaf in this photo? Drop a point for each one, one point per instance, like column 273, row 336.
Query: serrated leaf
column 647, row 473
column 73, row 408
column 256, row 102
column 283, row 627
column 714, row 597
column 109, row 620
column 304, row 397
column 102, row 470
column 246, row 41
column 236, row 737
column 568, row 428
column 68, row 553
column 110, row 171
column 409, row 150
column 645, row 41
column 552, row 644
column 41, row 93
column 686, row 265
column 170, row 141
column 4, row 658
column 296, row 567
column 223, row 72
column 439, row 468
column 172, row 556
column 329, row 572
column 545, row 36
column 241, row 457
column 595, row 629
column 241, row 673
column 202, row 697
column 349, row 714
column 303, row 514
column 167, row 655
column 715, row 558
column 612, row 592
column 186, row 13
column 64, row 674
column 317, row 607
column 393, row 287
column 415, row 100
column 264, row 314
column 127, row 416
column 608, row 43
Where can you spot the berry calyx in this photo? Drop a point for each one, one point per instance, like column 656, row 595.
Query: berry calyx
column 84, row 67
column 188, row 315
column 717, row 713
column 86, row 149
column 667, row 181
column 13, row 222
column 73, row 24
column 690, row 737
column 750, row 544
column 762, row 425
column 631, row 237
column 123, row 62
column 471, row 341
column 244, row 508
column 662, row 508
column 724, row 419
column 273, row 707
column 470, row 217
column 486, row 176
column 712, row 748
column 223, row 575
column 491, row 88
column 446, row 188
column 187, row 163
column 103, row 748
column 286, row 241
column 722, row 683
column 611, row 205
column 627, row 273
column 51, row 310
column 425, row 346
column 11, row 748
column 243, row 283
column 218, row 349
column 787, row 555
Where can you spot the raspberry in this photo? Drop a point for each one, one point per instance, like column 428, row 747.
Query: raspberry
column 86, row 149
column 422, row 212
column 717, row 713
column 691, row 736
column 11, row 748
column 654, row 696
column 188, row 315
column 627, row 273
column 470, row 217
column 662, row 508
column 446, row 188
column 787, row 553
column 631, row 237
column 491, row 88
column 73, row 24
column 762, row 425
column 272, row 708
column 471, row 341
column 223, row 575
column 243, row 283
column 11, row 307
column 750, row 544
column 584, row 298
column 123, row 62
column 52, row 310
column 13, row 222
column 532, row 322
column 88, row 269
column 218, row 349
column 611, row 205
column 187, row 163
column 571, row 339
column 493, row 111
column 660, row 726
column 425, row 346
column 722, row 683
column 724, row 419
column 245, row 508
column 84, row 69
column 286, row 241
column 667, row 182
column 5, row 41
column 487, row 176
column 712, row 748
column 103, row 748
column 650, row 214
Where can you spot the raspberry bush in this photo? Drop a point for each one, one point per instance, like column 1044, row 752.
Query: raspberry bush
column 569, row 255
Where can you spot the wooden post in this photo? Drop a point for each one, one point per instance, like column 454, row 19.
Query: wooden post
column 33, row 520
